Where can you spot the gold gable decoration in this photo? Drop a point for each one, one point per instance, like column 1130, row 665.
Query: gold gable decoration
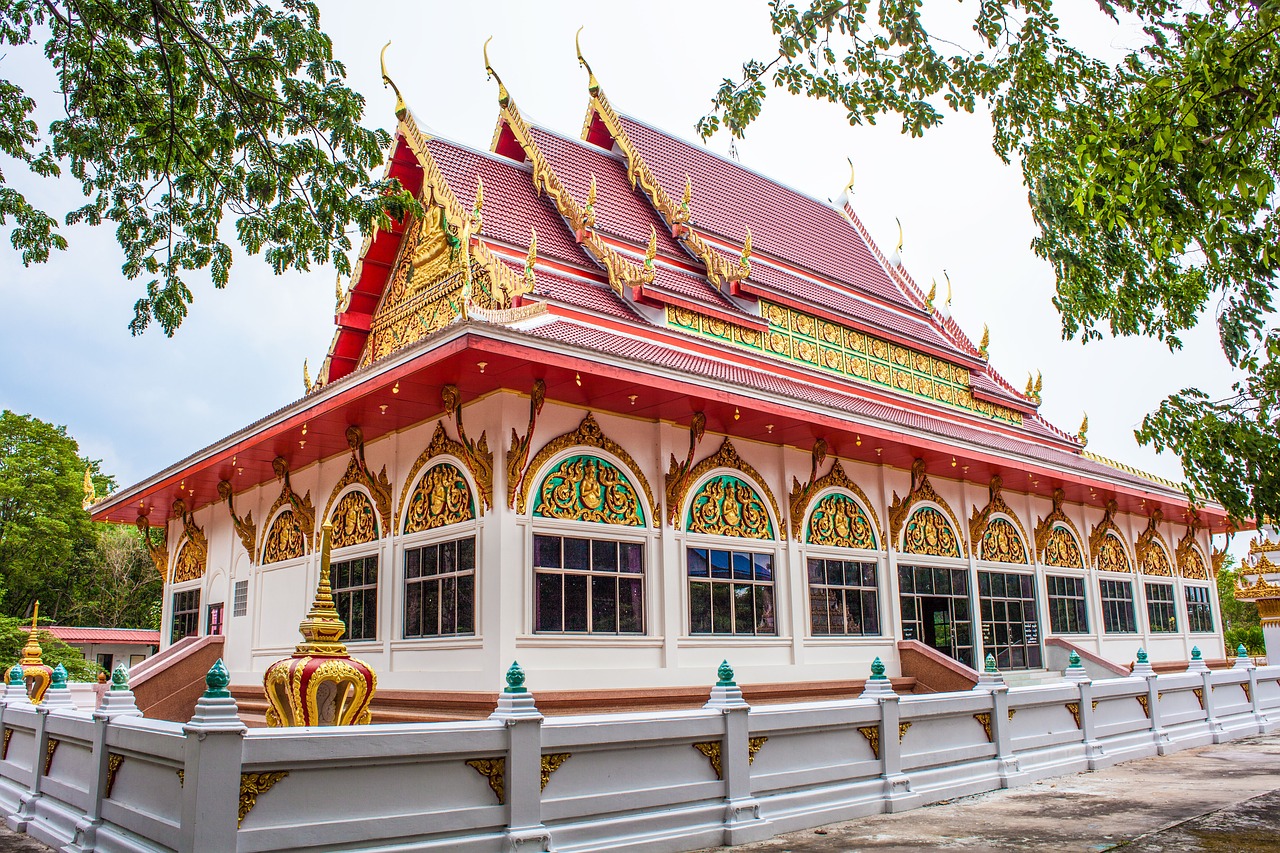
column 588, row 488
column 929, row 534
column 588, row 434
column 838, row 521
column 1153, row 556
column 244, row 527
column 1057, row 540
column 518, row 455
column 476, row 454
column 679, row 477
column 158, row 551
column 290, row 531
column 1191, row 563
column 358, row 473
column 996, row 530
column 353, row 520
column 725, row 457
column 193, row 554
column 728, row 506
column 1107, row 545
column 900, row 510
column 425, row 495
column 829, row 519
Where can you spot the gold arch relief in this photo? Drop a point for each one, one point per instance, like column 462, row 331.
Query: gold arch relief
column 289, row 532
column 441, row 498
column 929, row 534
column 1056, row 538
column 588, row 434
column 928, row 530
column 439, row 446
column 728, row 506
column 193, row 554
column 1191, row 563
column 1107, row 545
column 725, row 457
column 353, row 520
column 588, row 488
column 358, row 473
column 839, row 521
column 1153, row 556
column 996, row 531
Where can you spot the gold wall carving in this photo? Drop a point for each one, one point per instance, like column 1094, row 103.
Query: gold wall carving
column 157, row 550
column 588, row 488
column 872, row 734
column 712, row 750
column 901, row 509
column 1153, row 554
column 476, row 454
column 440, row 445
column 254, row 785
column 834, row 348
column 290, row 532
column 984, row 720
column 551, row 763
column 518, row 455
column 193, row 553
column 727, row 457
column 1191, row 563
column 587, row 434
column 1056, row 537
column 441, row 498
column 4, row 750
column 353, row 521
column 838, row 521
column 494, row 770
column 929, row 534
column 802, row 496
column 50, row 748
column 358, row 473
column 802, row 493
column 1107, row 545
column 678, row 477
column 114, row 760
column 244, row 527
column 1073, row 708
column 996, row 530
column 727, row 506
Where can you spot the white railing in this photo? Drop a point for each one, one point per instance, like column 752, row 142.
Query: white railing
column 675, row 780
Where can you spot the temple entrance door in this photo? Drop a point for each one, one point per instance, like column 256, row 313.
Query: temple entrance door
column 938, row 630
column 935, row 609
column 1010, row 623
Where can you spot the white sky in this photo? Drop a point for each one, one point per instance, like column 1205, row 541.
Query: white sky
column 142, row 403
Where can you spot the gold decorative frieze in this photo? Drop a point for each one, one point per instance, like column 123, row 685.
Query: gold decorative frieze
column 193, row 553
column 440, row 445
column 728, row 506
column 608, row 507
column 441, row 498
column 244, row 527
column 1107, row 545
column 1153, row 556
column 995, row 529
column 1057, row 540
column 4, row 750
column 551, row 763
column 353, row 521
column 753, row 746
column 807, row 339
column 254, row 785
column 929, row 534
column 588, row 488
column 50, row 748
column 678, row 477
column 290, row 532
column 157, row 550
column 872, row 734
column 494, row 770
column 476, row 454
column 903, row 727
column 518, row 455
column 711, row 749
column 1191, row 563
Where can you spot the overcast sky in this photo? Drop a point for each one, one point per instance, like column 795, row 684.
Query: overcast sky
column 142, row 403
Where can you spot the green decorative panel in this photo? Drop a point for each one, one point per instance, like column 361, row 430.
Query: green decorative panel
column 588, row 488
column 838, row 521
column 929, row 533
column 727, row 506
column 1002, row 544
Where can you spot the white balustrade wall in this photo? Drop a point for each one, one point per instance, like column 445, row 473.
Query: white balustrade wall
column 661, row 781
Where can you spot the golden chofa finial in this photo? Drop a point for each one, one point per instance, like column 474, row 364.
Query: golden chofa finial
column 337, row 290
column 848, row 188
column 589, row 215
column 986, row 340
column 744, row 261
column 933, row 294
column 1083, row 435
column 1039, row 385
column 401, row 109
column 899, row 221
column 593, row 85
column 948, row 278
column 90, row 493
column 306, row 377
column 1031, row 386
column 504, row 97
column 652, row 251
column 532, row 257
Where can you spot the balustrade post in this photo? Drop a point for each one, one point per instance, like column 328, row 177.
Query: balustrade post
column 19, row 820
column 211, row 778
column 742, row 821
column 1007, row 765
column 1093, row 751
column 896, row 787
column 118, row 701
column 1142, row 667
column 523, row 773
column 1216, row 731
column 1259, row 715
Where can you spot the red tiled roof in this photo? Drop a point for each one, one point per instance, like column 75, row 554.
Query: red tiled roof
column 125, row 636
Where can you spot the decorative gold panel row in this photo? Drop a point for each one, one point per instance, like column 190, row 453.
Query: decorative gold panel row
column 588, row 488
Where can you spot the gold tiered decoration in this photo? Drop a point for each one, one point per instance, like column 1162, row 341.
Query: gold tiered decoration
column 320, row 684
column 1265, row 593
column 1106, row 545
column 35, row 672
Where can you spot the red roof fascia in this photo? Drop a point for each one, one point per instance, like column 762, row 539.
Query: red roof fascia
column 131, row 636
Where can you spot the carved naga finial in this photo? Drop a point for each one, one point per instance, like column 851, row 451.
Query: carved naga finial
column 933, row 294
column 589, row 218
column 401, row 108
column 848, row 188
column 504, row 97
column 986, row 340
column 531, row 258
column 652, row 251
column 306, row 377
column 1083, row 435
column 593, row 85
column 744, row 261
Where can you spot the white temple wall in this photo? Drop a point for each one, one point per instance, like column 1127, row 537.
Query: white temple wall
column 666, row 655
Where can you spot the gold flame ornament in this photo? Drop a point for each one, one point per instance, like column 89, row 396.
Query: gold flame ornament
column 592, row 83
column 986, row 340
column 589, row 218
column 933, row 294
column 35, row 672
column 744, row 261
column 1083, row 435
column 652, row 251
column 531, row 258
column 320, row 684
column 401, row 108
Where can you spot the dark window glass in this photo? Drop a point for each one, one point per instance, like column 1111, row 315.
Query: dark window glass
column 186, row 614
column 355, row 595
column 1117, row 607
column 1199, row 610
column 843, row 598
column 1067, row 611
column 1162, row 612
column 738, row 597
column 591, row 586
column 439, row 589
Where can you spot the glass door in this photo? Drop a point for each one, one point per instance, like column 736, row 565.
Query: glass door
column 1010, row 623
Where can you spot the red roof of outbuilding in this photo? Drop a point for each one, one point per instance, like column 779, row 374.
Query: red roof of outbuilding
column 121, row 636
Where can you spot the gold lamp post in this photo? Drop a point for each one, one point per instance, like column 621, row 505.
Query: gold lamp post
column 35, row 672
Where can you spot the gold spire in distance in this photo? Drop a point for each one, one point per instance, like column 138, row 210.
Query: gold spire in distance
column 848, row 188
column 503, row 95
column 401, row 109
column 592, row 83
column 90, row 493
column 933, row 294
column 899, row 221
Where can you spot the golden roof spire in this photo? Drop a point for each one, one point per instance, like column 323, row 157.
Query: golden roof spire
column 899, row 221
column 31, row 652
column 1083, row 434
column 592, row 83
column 90, row 493
column 933, row 294
column 306, row 377
column 401, row 109
column 848, row 188
column 504, row 97
column 948, row 278
column 986, row 340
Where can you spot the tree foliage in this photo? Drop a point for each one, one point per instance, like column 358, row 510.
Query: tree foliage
column 13, row 636
column 177, row 114
column 1152, row 180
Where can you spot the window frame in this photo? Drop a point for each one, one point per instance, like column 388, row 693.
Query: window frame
column 193, row 611
column 1104, row 600
column 239, row 599
column 1169, row 604
column 363, row 551
column 845, row 555
column 592, row 533
column 1206, row 605
column 1050, row 596
column 730, row 545
column 461, row 533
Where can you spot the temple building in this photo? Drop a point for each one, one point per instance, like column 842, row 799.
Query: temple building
column 620, row 409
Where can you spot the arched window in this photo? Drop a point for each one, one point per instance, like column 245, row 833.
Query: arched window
column 842, row 567
column 285, row 539
column 354, row 571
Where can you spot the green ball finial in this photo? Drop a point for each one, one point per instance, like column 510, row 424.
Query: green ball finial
column 15, row 675
column 1142, row 655
column 1241, row 651
column 216, row 681
column 120, row 677
column 991, row 663
column 1073, row 659
column 1195, row 653
column 877, row 670
column 58, row 680
column 725, row 673
column 515, row 679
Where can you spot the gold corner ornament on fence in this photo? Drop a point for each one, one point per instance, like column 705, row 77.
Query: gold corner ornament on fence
column 35, row 672
column 320, row 684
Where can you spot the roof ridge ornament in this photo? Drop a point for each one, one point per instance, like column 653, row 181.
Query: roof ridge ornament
column 848, row 188
column 1083, row 435
column 986, row 341
column 504, row 97
column 401, row 108
column 593, row 85
column 895, row 260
